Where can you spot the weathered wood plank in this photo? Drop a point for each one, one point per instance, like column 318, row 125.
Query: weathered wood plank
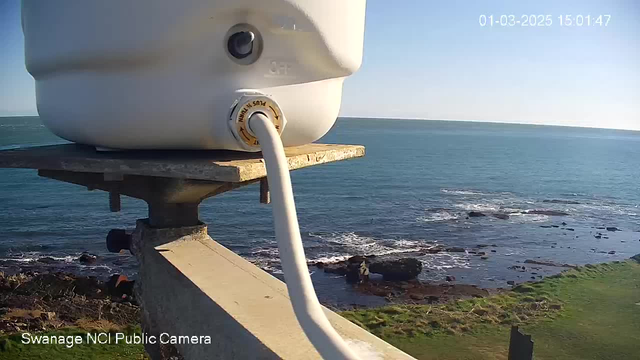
column 214, row 165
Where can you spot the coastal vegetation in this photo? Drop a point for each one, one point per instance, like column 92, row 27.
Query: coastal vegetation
column 588, row 312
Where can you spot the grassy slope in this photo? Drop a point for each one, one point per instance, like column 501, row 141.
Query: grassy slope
column 585, row 314
column 598, row 319
column 11, row 347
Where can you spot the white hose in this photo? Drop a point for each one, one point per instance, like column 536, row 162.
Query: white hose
column 294, row 263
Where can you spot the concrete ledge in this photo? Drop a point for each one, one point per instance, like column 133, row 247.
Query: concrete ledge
column 214, row 165
column 201, row 288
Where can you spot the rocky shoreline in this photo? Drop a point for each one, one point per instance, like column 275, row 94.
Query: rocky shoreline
column 47, row 294
column 45, row 301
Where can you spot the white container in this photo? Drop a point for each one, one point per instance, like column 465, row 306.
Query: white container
column 158, row 74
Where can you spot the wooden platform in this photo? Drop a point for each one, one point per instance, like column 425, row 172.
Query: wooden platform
column 219, row 166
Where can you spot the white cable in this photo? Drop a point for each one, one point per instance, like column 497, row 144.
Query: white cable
column 294, row 263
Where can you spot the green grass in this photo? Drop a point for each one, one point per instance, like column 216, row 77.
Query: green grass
column 12, row 347
column 588, row 313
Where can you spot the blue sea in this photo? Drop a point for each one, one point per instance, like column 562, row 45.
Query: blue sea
column 413, row 190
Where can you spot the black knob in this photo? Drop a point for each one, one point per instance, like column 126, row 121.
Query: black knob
column 240, row 44
column 118, row 240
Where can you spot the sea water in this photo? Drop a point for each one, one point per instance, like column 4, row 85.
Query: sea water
column 413, row 190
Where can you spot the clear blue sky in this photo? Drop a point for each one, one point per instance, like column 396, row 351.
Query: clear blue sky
column 432, row 60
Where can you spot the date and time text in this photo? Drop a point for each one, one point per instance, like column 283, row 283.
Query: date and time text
column 510, row 20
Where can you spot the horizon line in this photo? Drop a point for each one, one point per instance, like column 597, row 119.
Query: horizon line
column 489, row 122
column 453, row 120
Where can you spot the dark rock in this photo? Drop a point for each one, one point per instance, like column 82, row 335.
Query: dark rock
column 612, row 252
column 353, row 276
column 481, row 253
column 484, row 257
column 476, row 214
column 493, row 251
column 598, row 236
column 319, row 264
column 501, row 216
column 511, row 282
column 549, row 263
column 394, row 270
column 570, row 229
column 480, row 246
column 339, row 268
column 547, row 212
column 357, row 259
column 555, row 226
column 564, row 223
column 47, row 260
column 450, row 278
column 455, row 249
column 613, row 228
column 434, row 250
column 546, row 226
column 87, row 259
column 494, row 245
column 636, row 258
column 567, row 202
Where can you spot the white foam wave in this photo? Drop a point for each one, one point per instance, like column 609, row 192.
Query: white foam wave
column 526, row 218
column 341, row 247
column 330, row 258
column 462, row 192
column 34, row 258
column 442, row 261
column 439, row 216
column 610, row 209
column 478, row 206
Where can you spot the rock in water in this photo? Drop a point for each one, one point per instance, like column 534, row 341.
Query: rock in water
column 549, row 263
column 555, row 201
column 450, row 278
column 501, row 216
column 455, row 249
column 47, row 260
column 397, row 270
column 476, row 214
column 87, row 259
column 547, row 212
column 613, row 228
